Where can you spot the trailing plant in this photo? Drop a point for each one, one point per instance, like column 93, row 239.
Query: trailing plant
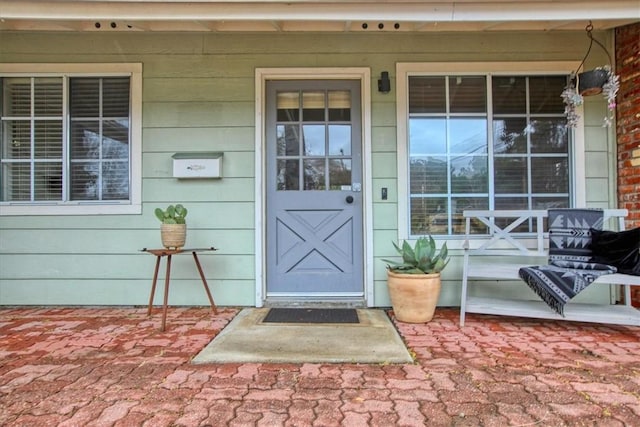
column 423, row 258
column 172, row 215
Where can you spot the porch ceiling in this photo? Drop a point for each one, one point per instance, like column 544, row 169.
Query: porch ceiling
column 315, row 16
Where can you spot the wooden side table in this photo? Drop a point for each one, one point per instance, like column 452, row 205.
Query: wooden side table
column 159, row 253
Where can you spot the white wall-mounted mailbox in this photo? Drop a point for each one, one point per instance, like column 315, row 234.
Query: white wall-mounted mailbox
column 197, row 165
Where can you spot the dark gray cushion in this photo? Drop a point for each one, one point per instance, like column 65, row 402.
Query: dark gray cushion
column 620, row 249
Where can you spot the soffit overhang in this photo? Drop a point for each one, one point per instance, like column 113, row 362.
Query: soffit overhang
column 315, row 16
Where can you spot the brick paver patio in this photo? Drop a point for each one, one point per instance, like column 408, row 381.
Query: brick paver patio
column 113, row 367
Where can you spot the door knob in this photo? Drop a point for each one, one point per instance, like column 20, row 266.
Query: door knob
column 349, row 199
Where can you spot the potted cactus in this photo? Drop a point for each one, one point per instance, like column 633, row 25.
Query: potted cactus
column 414, row 283
column 173, row 227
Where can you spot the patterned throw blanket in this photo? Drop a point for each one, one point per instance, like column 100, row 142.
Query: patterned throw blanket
column 569, row 270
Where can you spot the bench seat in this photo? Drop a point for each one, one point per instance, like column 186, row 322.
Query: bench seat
column 526, row 249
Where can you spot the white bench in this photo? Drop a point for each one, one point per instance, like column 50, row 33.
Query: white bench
column 512, row 249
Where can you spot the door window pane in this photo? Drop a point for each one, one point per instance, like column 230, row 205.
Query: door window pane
column 339, row 106
column 288, row 142
column 313, row 140
column 314, row 174
column 313, row 105
column 339, row 140
column 339, row 173
column 288, row 175
column 288, row 106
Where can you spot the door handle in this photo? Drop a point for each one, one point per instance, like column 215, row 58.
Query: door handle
column 349, row 199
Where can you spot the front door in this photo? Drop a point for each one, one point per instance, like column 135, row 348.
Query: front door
column 314, row 190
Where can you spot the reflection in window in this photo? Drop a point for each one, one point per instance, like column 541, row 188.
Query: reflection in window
column 47, row 156
column 313, row 148
column 467, row 153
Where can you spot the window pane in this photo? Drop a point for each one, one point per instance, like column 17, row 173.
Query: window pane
column 427, row 136
column 85, row 97
column 469, row 174
column 544, row 94
column 511, row 175
column 115, row 97
column 561, row 202
column 84, row 179
column 288, row 140
column 288, row 106
column 48, row 96
column 509, row 136
column 549, row 175
column 339, row 140
column 428, row 175
column 48, row 139
column 16, row 94
column 429, row 215
column 16, row 139
column 313, row 106
column 85, row 140
column 115, row 181
column 339, row 173
column 115, row 143
column 468, row 94
column 450, row 157
column 549, row 136
column 288, row 175
column 468, row 135
column 509, row 95
column 459, row 205
column 48, row 181
column 339, row 105
column 314, row 174
column 515, row 203
column 16, row 182
column 313, row 140
column 510, row 202
column 427, row 95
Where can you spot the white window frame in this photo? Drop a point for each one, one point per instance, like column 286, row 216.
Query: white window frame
column 404, row 70
column 134, row 204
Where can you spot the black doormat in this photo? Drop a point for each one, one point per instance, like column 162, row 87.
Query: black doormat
column 311, row 315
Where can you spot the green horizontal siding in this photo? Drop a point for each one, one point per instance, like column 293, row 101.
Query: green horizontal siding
column 198, row 95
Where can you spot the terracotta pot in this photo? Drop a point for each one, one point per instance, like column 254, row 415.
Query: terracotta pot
column 591, row 82
column 414, row 296
column 173, row 235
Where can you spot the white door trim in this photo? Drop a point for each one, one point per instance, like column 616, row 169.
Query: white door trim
column 261, row 76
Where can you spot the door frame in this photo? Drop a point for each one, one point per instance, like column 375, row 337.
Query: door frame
column 262, row 75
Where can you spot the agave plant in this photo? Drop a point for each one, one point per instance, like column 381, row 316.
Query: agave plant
column 172, row 215
column 423, row 258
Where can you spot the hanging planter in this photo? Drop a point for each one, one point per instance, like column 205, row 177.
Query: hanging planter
column 592, row 82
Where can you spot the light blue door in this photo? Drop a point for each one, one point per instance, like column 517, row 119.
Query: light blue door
column 314, row 190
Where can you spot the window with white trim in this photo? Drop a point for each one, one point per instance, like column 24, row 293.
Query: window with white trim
column 68, row 143
column 484, row 141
